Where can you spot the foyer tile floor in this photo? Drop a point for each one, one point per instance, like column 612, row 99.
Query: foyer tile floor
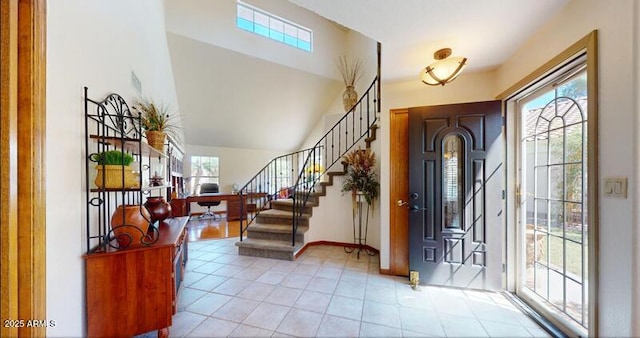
column 327, row 293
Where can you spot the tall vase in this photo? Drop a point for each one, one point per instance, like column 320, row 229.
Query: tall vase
column 349, row 98
column 158, row 208
column 130, row 223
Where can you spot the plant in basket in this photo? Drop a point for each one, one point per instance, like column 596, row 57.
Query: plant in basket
column 114, row 171
column 157, row 121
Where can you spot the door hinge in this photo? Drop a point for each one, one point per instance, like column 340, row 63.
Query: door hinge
column 504, row 194
column 518, row 196
column 504, row 268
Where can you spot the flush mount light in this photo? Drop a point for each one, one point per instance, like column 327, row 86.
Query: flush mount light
column 444, row 70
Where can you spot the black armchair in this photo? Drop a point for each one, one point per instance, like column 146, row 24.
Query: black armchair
column 209, row 188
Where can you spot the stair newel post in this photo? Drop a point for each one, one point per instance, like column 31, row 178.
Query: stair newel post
column 314, row 173
column 368, row 116
column 275, row 188
column 293, row 224
column 242, row 214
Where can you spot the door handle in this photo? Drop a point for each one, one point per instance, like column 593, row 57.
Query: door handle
column 416, row 208
column 401, row 203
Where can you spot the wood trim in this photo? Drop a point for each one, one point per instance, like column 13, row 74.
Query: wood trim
column 8, row 165
column 591, row 45
column 399, row 189
column 22, row 174
column 548, row 66
column 385, row 272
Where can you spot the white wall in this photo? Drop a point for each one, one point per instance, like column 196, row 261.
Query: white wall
column 469, row 87
column 358, row 46
column 96, row 44
column 236, row 166
column 209, row 21
column 616, row 22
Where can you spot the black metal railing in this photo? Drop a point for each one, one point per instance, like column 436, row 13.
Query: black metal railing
column 272, row 182
column 347, row 132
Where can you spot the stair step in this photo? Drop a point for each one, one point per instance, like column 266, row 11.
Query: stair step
column 274, row 216
column 276, row 228
column 277, row 232
column 314, row 197
column 268, row 248
column 287, row 205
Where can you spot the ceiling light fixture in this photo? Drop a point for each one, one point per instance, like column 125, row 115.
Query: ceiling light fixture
column 444, row 70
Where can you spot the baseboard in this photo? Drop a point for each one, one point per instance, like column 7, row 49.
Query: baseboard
column 386, row 272
column 340, row 244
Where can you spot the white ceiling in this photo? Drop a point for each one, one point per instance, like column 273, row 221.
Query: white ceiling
column 487, row 32
column 231, row 99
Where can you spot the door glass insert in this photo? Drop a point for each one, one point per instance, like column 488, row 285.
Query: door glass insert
column 451, row 181
column 554, row 181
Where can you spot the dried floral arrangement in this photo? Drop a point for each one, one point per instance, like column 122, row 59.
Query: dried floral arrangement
column 155, row 117
column 351, row 69
column 360, row 176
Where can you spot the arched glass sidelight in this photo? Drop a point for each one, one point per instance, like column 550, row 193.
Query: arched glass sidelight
column 452, row 182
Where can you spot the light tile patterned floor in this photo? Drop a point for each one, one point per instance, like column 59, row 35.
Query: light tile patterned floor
column 327, row 293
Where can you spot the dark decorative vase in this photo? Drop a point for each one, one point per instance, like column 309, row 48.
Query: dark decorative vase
column 130, row 224
column 158, row 208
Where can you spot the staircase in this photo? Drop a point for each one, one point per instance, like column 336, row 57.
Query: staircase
column 277, row 229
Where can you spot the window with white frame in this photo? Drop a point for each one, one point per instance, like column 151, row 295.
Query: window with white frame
column 204, row 169
column 263, row 23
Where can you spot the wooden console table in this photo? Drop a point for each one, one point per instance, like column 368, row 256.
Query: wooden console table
column 133, row 291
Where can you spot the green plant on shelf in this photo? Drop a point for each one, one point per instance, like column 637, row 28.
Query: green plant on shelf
column 112, row 157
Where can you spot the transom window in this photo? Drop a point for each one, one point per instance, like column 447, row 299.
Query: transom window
column 263, row 23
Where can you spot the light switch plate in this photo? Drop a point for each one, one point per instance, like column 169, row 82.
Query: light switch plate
column 615, row 187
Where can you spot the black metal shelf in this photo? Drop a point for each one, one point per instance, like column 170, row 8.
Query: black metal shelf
column 110, row 125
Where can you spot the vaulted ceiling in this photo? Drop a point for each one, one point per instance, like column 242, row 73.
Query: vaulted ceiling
column 238, row 90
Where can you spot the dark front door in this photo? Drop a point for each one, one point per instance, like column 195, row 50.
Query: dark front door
column 455, row 186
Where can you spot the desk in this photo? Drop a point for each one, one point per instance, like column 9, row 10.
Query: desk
column 233, row 203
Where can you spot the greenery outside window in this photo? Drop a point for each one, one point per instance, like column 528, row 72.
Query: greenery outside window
column 204, row 169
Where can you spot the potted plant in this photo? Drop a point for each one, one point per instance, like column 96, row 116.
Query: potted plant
column 351, row 71
column 360, row 177
column 112, row 166
column 157, row 122
column 361, row 180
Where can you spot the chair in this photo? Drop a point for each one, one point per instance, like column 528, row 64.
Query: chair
column 209, row 188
